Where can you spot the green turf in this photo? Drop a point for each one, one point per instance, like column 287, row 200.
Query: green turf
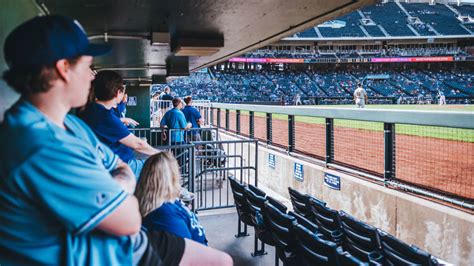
column 457, row 134
column 427, row 107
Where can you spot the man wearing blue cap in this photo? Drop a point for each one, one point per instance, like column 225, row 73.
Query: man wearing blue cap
column 65, row 198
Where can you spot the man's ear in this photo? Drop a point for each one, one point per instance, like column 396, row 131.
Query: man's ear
column 62, row 67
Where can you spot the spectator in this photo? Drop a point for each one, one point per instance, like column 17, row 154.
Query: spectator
column 165, row 98
column 166, row 95
column 109, row 90
column 66, row 197
column 155, row 110
column 175, row 121
column 121, row 110
column 194, row 117
column 157, row 195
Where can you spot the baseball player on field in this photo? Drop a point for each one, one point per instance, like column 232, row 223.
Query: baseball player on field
column 360, row 96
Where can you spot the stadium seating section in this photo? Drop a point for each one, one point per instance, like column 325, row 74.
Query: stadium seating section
column 351, row 28
column 438, row 16
column 315, row 234
column 394, row 21
column 390, row 17
column 328, row 85
column 465, row 10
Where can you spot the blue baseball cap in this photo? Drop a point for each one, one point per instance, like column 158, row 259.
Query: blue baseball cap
column 44, row 40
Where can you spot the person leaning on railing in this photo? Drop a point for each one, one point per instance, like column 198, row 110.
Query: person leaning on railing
column 175, row 122
column 194, row 117
column 99, row 115
column 65, row 198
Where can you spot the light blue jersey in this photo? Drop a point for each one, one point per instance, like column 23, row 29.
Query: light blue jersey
column 55, row 189
column 174, row 119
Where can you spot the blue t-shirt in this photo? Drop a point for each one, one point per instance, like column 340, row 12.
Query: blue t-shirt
column 108, row 128
column 174, row 119
column 192, row 115
column 177, row 219
column 120, row 110
column 55, row 189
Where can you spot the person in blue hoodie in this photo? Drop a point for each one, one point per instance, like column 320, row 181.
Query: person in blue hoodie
column 158, row 196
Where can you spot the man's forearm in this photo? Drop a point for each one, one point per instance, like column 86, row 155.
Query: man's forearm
column 145, row 148
column 124, row 176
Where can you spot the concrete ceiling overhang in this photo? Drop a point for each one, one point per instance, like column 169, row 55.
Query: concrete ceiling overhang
column 244, row 24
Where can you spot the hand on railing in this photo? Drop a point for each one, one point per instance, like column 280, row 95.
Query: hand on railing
column 164, row 137
column 129, row 122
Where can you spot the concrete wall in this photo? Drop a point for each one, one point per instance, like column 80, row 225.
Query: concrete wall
column 141, row 111
column 445, row 232
column 12, row 14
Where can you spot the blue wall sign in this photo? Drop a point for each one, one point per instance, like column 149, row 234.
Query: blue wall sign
column 298, row 172
column 332, row 181
column 271, row 160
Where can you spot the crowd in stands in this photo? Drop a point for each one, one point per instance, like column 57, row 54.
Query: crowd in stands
column 330, row 84
column 391, row 51
column 360, row 53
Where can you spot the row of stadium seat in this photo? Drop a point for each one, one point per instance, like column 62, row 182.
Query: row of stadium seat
column 314, row 234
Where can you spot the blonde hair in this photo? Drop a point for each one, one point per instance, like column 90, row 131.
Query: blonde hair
column 159, row 182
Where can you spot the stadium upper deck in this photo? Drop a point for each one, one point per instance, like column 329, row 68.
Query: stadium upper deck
column 393, row 20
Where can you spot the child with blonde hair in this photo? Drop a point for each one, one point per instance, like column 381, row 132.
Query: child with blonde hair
column 158, row 196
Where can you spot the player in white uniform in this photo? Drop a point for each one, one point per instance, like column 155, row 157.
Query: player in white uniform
column 360, row 96
column 298, row 99
column 442, row 98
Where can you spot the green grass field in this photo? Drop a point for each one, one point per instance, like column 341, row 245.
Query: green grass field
column 466, row 135
column 429, row 107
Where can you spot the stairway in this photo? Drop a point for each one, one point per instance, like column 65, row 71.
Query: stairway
column 413, row 30
column 402, row 8
column 318, row 32
column 362, row 28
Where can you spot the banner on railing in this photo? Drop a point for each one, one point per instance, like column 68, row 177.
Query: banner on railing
column 412, row 59
column 348, row 60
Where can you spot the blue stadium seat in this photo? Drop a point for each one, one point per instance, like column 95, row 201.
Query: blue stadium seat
column 395, row 252
column 243, row 209
column 262, row 230
column 390, row 17
column 438, row 16
column 309, row 33
column 301, row 203
column 282, row 227
column 351, row 28
column 327, row 220
column 313, row 250
column 359, row 239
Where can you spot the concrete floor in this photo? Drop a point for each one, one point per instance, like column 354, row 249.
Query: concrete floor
column 221, row 226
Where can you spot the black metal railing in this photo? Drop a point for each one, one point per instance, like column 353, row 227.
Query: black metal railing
column 206, row 165
column 375, row 143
